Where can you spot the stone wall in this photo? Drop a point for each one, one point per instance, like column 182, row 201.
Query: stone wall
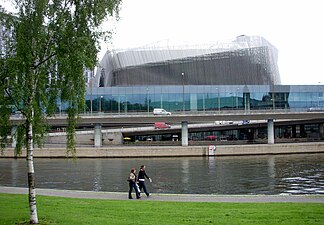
column 176, row 151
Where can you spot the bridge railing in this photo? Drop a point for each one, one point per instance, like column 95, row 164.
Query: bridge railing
column 207, row 112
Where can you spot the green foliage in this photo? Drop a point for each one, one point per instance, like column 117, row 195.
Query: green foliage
column 48, row 44
column 57, row 210
column 4, row 123
column 20, row 136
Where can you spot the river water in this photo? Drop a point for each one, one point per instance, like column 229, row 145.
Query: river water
column 270, row 174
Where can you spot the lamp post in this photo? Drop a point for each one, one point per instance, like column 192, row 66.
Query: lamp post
column 148, row 102
column 218, row 99
column 100, row 103
column 91, row 91
column 237, row 90
column 273, row 97
column 60, row 107
column 183, row 101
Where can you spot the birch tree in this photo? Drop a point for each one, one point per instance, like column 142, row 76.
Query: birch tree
column 46, row 46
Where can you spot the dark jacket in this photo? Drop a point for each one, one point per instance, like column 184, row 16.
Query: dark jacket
column 142, row 175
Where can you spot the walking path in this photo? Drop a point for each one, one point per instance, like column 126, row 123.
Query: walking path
column 168, row 197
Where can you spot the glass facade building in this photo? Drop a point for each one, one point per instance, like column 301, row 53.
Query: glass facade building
column 239, row 74
column 200, row 98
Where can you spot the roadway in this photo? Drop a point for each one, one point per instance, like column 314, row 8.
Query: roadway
column 148, row 129
column 177, row 118
column 199, row 127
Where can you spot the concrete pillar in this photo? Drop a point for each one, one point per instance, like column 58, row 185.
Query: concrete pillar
column 270, row 131
column 255, row 133
column 97, row 135
column 184, row 133
column 14, row 136
column 302, row 131
column 293, row 135
column 321, row 130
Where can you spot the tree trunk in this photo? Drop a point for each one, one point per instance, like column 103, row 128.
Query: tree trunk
column 31, row 174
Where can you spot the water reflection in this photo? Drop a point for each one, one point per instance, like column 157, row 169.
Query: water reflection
column 185, row 175
column 294, row 174
column 97, row 182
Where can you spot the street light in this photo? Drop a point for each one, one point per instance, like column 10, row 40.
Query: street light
column 60, row 107
column 218, row 99
column 183, row 101
column 100, row 103
column 91, row 91
column 148, row 102
column 237, row 97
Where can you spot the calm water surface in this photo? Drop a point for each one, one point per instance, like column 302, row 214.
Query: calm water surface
column 294, row 174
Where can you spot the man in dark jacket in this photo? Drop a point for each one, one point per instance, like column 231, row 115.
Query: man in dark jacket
column 141, row 180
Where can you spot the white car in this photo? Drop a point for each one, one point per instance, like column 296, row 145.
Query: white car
column 160, row 112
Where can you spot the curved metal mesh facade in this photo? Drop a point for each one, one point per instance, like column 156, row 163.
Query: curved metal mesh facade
column 244, row 61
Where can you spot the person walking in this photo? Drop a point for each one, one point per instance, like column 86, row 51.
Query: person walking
column 141, row 180
column 132, row 179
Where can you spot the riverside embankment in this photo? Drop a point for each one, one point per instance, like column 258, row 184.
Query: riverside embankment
column 173, row 151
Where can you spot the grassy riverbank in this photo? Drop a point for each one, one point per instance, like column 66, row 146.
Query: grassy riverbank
column 69, row 211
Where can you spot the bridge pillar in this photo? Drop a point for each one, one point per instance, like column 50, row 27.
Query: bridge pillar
column 293, row 131
column 184, row 133
column 270, row 131
column 302, row 131
column 97, row 135
column 255, row 133
column 14, row 136
column 321, row 130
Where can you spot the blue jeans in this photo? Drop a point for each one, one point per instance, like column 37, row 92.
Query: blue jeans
column 141, row 185
column 131, row 186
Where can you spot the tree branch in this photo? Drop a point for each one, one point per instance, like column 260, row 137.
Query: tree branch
column 15, row 102
column 35, row 66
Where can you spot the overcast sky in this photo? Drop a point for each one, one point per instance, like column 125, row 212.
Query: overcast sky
column 294, row 27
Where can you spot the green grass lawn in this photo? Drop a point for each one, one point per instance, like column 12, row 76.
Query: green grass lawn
column 70, row 211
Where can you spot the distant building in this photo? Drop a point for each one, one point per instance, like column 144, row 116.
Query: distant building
column 240, row 74
column 243, row 61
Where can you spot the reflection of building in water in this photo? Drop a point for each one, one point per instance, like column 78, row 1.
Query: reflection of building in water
column 97, row 179
column 185, row 179
column 302, row 173
column 211, row 164
column 272, row 173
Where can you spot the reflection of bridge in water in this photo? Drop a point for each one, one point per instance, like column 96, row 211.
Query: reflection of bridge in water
column 244, row 175
column 142, row 124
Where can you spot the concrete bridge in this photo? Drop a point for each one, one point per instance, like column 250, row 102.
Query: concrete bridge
column 183, row 119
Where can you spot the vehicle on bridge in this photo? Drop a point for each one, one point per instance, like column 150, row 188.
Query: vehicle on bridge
column 244, row 122
column 211, row 138
column 223, row 122
column 315, row 109
column 158, row 111
column 161, row 125
column 149, row 138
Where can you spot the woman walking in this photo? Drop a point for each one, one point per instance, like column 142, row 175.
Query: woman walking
column 132, row 184
column 141, row 180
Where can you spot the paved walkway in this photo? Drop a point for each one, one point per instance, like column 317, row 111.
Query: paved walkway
column 169, row 197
